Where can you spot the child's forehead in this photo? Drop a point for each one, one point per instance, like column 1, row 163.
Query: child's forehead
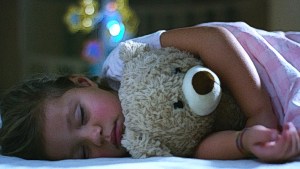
column 56, row 102
column 68, row 98
column 56, row 110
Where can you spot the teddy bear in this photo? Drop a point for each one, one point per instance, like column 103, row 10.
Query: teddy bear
column 171, row 102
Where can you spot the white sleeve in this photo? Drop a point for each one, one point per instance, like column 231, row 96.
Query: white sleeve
column 113, row 65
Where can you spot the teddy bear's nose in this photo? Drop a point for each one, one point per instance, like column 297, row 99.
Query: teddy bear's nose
column 178, row 105
column 202, row 90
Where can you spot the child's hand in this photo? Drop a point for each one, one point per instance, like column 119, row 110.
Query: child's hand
column 271, row 146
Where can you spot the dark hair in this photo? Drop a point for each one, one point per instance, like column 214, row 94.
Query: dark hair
column 22, row 111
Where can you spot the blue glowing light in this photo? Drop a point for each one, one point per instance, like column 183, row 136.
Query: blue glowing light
column 116, row 30
column 92, row 51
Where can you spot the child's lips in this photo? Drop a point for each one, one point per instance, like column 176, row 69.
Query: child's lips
column 113, row 138
column 116, row 134
column 119, row 131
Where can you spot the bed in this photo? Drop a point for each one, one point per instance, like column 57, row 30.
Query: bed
column 148, row 163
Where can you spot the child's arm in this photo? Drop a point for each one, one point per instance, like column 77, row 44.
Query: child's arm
column 223, row 145
column 264, row 143
column 221, row 52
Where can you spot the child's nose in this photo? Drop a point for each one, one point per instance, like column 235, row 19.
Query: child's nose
column 93, row 134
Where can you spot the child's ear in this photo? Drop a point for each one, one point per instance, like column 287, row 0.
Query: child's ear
column 82, row 81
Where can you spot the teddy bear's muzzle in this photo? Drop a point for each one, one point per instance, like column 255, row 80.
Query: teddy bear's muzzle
column 202, row 90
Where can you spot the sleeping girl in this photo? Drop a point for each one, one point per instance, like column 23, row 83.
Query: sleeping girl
column 74, row 117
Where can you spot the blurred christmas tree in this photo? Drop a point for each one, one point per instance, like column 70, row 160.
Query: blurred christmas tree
column 112, row 20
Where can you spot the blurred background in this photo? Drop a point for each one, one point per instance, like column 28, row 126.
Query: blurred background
column 75, row 36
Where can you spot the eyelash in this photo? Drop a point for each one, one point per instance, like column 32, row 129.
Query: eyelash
column 82, row 116
column 82, row 122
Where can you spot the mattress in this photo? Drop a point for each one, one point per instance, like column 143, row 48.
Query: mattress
column 147, row 163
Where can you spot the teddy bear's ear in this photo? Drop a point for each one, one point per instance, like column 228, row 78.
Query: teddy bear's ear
column 130, row 49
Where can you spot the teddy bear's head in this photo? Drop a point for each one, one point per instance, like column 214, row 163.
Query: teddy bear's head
column 168, row 100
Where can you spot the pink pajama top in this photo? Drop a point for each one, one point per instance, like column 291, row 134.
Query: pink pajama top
column 276, row 56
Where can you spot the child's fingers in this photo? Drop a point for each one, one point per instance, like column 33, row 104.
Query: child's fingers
column 261, row 134
column 261, row 141
column 270, row 151
column 284, row 148
column 291, row 139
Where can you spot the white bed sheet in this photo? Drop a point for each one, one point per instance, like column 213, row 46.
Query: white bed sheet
column 148, row 163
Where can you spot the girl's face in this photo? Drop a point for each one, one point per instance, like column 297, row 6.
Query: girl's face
column 85, row 122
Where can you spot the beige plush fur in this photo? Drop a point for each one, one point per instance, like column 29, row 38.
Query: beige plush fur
column 151, row 85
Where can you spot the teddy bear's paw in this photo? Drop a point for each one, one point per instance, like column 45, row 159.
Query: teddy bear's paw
column 202, row 90
column 150, row 150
